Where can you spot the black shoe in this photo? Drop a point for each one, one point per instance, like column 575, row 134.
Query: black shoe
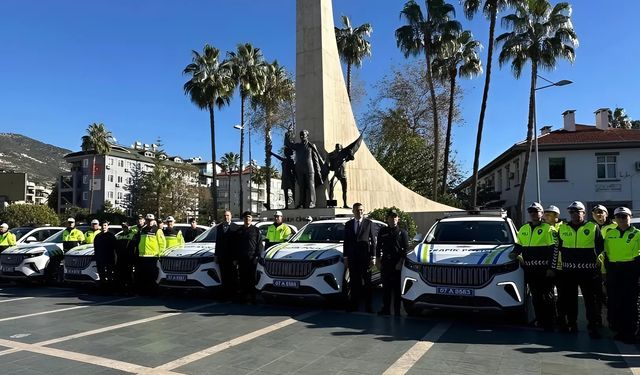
column 350, row 308
column 548, row 328
column 384, row 312
column 369, row 309
column 572, row 328
column 397, row 314
column 625, row 338
column 594, row 333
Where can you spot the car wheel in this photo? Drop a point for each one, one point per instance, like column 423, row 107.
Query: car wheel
column 410, row 308
column 346, row 288
column 523, row 315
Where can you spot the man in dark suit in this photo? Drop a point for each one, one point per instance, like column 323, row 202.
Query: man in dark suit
column 225, row 255
column 359, row 250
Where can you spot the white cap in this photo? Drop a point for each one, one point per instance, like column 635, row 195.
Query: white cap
column 553, row 208
column 576, row 205
column 622, row 210
column 5, row 226
column 600, row 207
column 170, row 218
column 150, row 217
column 535, row 206
column 71, row 220
column 95, row 221
column 278, row 213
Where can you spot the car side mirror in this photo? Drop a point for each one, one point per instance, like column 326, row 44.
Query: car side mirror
column 418, row 238
column 31, row 239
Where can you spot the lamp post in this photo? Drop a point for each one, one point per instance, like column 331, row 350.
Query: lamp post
column 241, row 128
column 563, row 82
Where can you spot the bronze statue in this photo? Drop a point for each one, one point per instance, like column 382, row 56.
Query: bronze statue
column 288, row 175
column 308, row 167
column 336, row 162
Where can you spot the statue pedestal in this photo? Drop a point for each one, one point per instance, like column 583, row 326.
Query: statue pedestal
column 298, row 216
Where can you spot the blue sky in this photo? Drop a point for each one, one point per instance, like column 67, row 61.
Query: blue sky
column 65, row 64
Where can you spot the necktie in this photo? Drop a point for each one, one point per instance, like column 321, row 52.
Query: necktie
column 357, row 227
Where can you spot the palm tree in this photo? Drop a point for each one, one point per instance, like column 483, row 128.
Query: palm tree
column 619, row 119
column 490, row 9
column 541, row 34
column 421, row 35
column 458, row 57
column 210, row 86
column 279, row 89
column 248, row 68
column 98, row 139
column 353, row 46
column 229, row 162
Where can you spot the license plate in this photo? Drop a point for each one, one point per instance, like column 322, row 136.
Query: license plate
column 464, row 292
column 8, row 269
column 286, row 284
column 71, row 271
column 177, row 277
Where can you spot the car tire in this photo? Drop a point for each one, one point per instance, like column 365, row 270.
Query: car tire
column 345, row 294
column 522, row 315
column 410, row 308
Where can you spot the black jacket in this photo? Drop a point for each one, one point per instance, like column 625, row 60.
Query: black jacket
column 190, row 234
column 361, row 245
column 249, row 241
column 225, row 242
column 104, row 246
column 393, row 244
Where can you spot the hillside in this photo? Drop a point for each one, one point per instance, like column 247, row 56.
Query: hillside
column 42, row 162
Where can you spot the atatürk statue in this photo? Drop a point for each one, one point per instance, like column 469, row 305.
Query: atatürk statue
column 337, row 160
column 308, row 167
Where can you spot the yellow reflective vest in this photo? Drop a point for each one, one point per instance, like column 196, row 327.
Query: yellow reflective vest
column 536, row 245
column 622, row 246
column 278, row 234
column 90, row 235
column 578, row 249
column 173, row 237
column 7, row 239
column 72, row 238
column 152, row 242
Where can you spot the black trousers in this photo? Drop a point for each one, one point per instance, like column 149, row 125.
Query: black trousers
column 544, row 304
column 390, row 287
column 146, row 274
column 622, row 290
column 360, row 284
column 247, row 275
column 106, row 274
column 229, row 277
column 124, row 269
column 590, row 283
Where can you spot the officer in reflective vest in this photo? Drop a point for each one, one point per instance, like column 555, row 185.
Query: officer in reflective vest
column 277, row 232
column 7, row 239
column 72, row 236
column 580, row 243
column 600, row 216
column 622, row 258
column 172, row 234
column 537, row 241
column 151, row 245
column 93, row 232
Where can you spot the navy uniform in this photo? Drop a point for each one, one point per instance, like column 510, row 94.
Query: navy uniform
column 391, row 250
column 249, row 247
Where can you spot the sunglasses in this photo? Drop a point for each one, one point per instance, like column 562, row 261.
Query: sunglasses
column 573, row 211
column 620, row 216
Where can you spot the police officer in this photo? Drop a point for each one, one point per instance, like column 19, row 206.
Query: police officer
column 391, row 249
column 552, row 217
column 92, row 232
column 580, row 243
column 249, row 245
column 622, row 258
column 537, row 242
column 7, row 239
column 152, row 243
column 277, row 232
column 193, row 231
column 600, row 215
column 226, row 256
column 71, row 236
column 104, row 245
column 125, row 258
column 172, row 234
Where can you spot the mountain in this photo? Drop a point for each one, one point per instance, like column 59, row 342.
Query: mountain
column 42, row 162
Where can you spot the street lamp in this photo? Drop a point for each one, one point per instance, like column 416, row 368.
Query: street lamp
column 563, row 82
column 241, row 128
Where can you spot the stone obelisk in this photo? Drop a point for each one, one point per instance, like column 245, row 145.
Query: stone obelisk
column 323, row 108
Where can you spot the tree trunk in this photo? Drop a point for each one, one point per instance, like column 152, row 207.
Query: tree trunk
column 436, row 123
column 447, row 140
column 268, row 146
column 214, row 175
column 241, row 205
column 483, row 109
column 349, row 81
column 229, row 188
column 530, row 130
column 93, row 175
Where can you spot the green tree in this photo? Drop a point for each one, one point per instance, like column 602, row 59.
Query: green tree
column 98, row 140
column 210, row 85
column 17, row 215
column 420, row 36
column 229, row 164
column 353, row 46
column 249, row 73
column 134, row 198
column 490, row 9
column 458, row 57
column 405, row 221
column 279, row 90
column 541, row 34
column 52, row 200
column 79, row 213
column 619, row 119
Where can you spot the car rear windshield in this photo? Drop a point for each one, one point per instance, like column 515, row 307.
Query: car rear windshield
column 321, row 232
column 486, row 232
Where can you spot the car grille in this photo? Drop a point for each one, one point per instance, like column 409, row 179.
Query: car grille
column 77, row 262
column 456, row 275
column 11, row 259
column 186, row 265
column 288, row 268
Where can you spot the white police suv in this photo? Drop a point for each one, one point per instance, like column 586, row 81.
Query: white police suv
column 309, row 265
column 33, row 260
column 464, row 263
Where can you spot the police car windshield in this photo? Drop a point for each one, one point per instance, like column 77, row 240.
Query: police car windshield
column 20, row 232
column 475, row 232
column 207, row 236
column 321, row 232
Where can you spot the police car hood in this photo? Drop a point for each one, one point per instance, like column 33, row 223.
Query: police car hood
column 194, row 249
column 81, row 250
column 303, row 251
column 461, row 254
column 33, row 248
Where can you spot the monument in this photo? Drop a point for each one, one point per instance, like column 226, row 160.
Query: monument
column 323, row 108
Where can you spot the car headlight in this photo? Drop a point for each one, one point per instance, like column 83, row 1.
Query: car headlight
column 327, row 262
column 413, row 266
column 33, row 255
column 507, row 267
column 208, row 259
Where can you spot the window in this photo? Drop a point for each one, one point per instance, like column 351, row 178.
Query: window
column 85, row 195
column 606, row 164
column 110, row 161
column 110, row 178
column 120, row 163
column 557, row 169
column 119, row 195
column 85, row 179
column 120, row 179
column 516, row 168
column 85, row 163
column 507, row 171
column 499, row 180
column 110, row 194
